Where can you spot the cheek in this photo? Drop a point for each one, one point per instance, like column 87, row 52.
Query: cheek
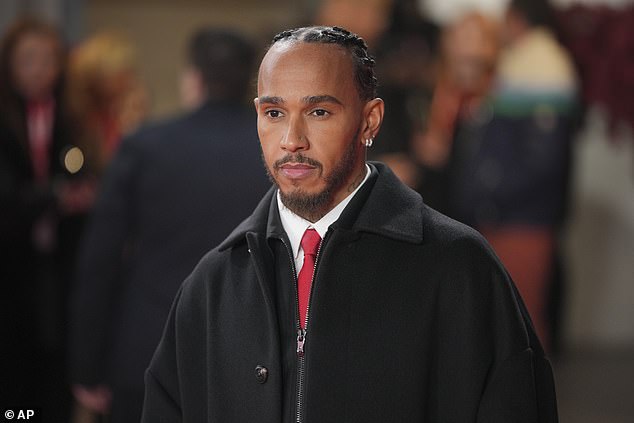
column 331, row 142
column 266, row 143
column 270, row 134
column 49, row 76
column 22, row 71
column 269, row 154
column 263, row 134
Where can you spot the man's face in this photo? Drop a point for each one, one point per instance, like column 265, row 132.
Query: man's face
column 311, row 125
column 35, row 66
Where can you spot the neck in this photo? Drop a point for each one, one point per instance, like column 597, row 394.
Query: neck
column 356, row 181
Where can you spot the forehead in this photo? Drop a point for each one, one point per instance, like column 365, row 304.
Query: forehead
column 306, row 69
column 31, row 41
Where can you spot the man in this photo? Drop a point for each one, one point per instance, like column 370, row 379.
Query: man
column 174, row 191
column 398, row 314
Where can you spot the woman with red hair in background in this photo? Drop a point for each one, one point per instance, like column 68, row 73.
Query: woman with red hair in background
column 45, row 191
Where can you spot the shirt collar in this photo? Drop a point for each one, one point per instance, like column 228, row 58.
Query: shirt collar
column 295, row 225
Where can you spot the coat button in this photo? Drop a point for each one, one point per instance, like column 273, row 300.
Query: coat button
column 261, row 374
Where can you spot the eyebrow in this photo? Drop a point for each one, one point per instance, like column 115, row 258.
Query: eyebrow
column 313, row 99
column 271, row 100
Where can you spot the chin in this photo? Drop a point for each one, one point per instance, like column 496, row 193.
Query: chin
column 309, row 205
column 296, row 190
column 309, row 186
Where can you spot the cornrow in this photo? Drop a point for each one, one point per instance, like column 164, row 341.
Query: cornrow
column 355, row 45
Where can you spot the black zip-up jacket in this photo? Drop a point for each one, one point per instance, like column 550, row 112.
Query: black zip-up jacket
column 413, row 319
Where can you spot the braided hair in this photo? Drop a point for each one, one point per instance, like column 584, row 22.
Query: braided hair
column 363, row 62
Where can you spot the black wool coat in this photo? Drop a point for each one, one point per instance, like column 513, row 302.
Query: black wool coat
column 413, row 319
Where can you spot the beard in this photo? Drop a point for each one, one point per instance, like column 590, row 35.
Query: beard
column 313, row 207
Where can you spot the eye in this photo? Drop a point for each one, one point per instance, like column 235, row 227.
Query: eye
column 274, row 114
column 320, row 113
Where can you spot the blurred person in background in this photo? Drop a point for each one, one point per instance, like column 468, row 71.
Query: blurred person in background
column 106, row 95
column 368, row 18
column 173, row 191
column 406, row 57
column 510, row 160
column 469, row 51
column 45, row 191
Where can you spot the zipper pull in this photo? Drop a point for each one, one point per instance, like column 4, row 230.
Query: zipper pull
column 301, row 339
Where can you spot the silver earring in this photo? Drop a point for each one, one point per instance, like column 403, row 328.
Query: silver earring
column 369, row 142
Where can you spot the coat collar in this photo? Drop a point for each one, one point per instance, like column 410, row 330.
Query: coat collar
column 384, row 206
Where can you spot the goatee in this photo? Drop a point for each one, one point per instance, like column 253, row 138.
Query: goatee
column 313, row 207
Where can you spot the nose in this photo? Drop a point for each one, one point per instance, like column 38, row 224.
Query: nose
column 294, row 139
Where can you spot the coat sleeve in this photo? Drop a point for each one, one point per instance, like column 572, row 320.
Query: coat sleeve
column 520, row 389
column 176, row 387
column 99, row 276
column 512, row 379
column 159, row 406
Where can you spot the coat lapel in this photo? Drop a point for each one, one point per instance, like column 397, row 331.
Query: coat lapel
column 385, row 207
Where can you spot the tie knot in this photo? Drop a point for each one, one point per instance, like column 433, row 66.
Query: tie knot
column 310, row 242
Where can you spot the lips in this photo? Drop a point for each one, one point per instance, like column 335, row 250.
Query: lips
column 296, row 170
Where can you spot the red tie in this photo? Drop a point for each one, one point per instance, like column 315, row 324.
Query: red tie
column 310, row 245
column 40, row 127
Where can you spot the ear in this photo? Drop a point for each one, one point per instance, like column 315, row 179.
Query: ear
column 192, row 89
column 372, row 118
column 256, row 103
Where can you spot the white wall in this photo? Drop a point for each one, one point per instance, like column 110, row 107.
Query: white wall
column 600, row 241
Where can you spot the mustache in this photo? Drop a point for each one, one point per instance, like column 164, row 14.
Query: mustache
column 296, row 158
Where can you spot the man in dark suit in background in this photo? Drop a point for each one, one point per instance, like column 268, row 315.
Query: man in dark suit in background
column 174, row 190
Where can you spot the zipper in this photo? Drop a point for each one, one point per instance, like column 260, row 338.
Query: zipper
column 301, row 374
column 301, row 333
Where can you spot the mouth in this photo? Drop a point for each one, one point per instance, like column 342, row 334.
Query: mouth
column 296, row 171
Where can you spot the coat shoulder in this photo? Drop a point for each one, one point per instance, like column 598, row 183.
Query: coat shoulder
column 213, row 262
column 445, row 231
column 462, row 249
column 148, row 133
